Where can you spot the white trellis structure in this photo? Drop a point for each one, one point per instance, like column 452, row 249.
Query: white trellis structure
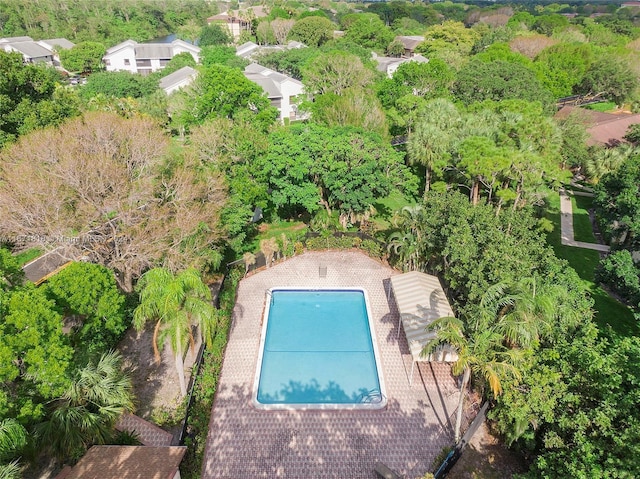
column 421, row 300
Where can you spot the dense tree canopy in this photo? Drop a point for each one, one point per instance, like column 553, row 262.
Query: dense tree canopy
column 498, row 80
column 128, row 212
column 118, row 84
column 312, row 31
column 225, row 92
column 35, row 353
column 309, row 167
column 618, row 202
column 30, row 97
column 83, row 57
column 214, row 34
column 367, row 30
column 612, row 78
column 87, row 293
column 107, row 21
column 335, row 72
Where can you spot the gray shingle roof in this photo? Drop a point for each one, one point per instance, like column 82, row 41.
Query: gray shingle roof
column 15, row 39
column 59, row 42
column 153, row 50
column 266, row 84
column 31, row 49
column 177, row 77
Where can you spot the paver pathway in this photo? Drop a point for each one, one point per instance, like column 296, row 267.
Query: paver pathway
column 407, row 435
column 566, row 226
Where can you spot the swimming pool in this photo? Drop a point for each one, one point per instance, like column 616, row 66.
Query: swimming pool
column 318, row 351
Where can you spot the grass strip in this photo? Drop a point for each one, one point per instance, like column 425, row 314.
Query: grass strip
column 610, row 315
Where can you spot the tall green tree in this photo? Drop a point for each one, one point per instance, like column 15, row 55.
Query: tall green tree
column 89, row 293
column 35, row 353
column 177, row 303
column 312, row 31
column 611, row 77
column 560, row 68
column 478, row 81
column 223, row 92
column 85, row 414
column 618, row 203
column 83, row 57
column 369, row 31
column 481, row 353
column 214, row 34
column 31, row 98
column 335, row 72
column 341, row 169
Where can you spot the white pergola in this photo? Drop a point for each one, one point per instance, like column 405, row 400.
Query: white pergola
column 421, row 300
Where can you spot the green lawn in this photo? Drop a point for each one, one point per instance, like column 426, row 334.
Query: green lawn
column 604, row 106
column 582, row 228
column 28, row 255
column 386, row 207
column 608, row 311
column 293, row 229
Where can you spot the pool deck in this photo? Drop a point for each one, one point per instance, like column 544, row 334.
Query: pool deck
column 247, row 443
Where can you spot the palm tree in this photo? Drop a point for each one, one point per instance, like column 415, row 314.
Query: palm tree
column 13, row 437
column 86, row 413
column 177, row 303
column 10, row 471
column 430, row 143
column 409, row 243
column 482, row 353
column 520, row 310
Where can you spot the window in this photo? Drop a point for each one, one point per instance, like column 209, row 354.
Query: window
column 107, row 62
column 127, row 62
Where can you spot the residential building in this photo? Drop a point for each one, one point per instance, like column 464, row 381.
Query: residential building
column 410, row 43
column 145, row 58
column 390, row 65
column 178, row 79
column 55, row 45
column 238, row 21
column 281, row 89
column 248, row 49
column 31, row 51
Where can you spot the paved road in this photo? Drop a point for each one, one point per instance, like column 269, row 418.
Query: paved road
column 566, row 226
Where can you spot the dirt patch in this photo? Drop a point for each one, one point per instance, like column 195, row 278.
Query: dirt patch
column 487, row 458
column 155, row 384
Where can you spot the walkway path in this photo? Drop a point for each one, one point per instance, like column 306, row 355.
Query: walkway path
column 566, row 225
column 45, row 266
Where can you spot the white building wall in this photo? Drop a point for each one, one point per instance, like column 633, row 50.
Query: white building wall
column 117, row 60
column 289, row 89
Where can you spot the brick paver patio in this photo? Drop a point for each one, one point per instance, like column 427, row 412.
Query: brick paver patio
column 246, row 443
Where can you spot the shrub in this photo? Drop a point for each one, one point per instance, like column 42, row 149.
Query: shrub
column 619, row 272
column 372, row 248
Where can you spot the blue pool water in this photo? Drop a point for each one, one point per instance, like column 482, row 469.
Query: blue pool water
column 318, row 350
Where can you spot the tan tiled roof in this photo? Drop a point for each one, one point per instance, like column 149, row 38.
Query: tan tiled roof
column 148, row 433
column 410, row 42
column 603, row 128
column 128, row 462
